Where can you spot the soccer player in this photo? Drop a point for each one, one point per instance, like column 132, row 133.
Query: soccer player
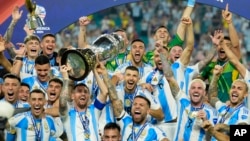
column 42, row 66
column 136, row 127
column 33, row 125
column 11, row 86
column 235, row 111
column 24, row 92
column 161, row 91
column 129, row 89
column 48, row 46
column 112, row 132
column 137, row 51
column 80, row 116
column 191, row 110
column 230, row 73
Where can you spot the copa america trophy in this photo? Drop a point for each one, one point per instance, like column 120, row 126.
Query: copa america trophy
column 33, row 21
column 82, row 61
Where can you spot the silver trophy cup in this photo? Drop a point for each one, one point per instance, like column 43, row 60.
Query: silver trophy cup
column 33, row 21
column 82, row 61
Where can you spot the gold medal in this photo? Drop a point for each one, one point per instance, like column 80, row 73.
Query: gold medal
column 86, row 135
column 127, row 103
column 194, row 114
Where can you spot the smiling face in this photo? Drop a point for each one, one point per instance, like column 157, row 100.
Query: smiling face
column 221, row 53
column 37, row 101
column 137, row 52
column 162, row 34
column 197, row 92
column 43, row 72
column 10, row 89
column 24, row 93
column 238, row 92
column 175, row 53
column 139, row 111
column 130, row 80
column 81, row 97
column 48, row 45
column 53, row 91
column 33, row 48
column 157, row 60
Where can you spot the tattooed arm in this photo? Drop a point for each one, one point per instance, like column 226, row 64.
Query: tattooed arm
column 213, row 87
column 116, row 102
column 64, row 96
column 167, row 68
column 16, row 15
column 209, row 57
column 99, row 68
column 208, row 127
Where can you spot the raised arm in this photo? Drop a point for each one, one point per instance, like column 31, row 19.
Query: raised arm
column 64, row 96
column 16, row 15
column 18, row 61
column 181, row 29
column 234, row 60
column 3, row 60
column 213, row 87
column 227, row 16
column 99, row 69
column 187, row 52
column 82, row 40
column 116, row 102
column 167, row 68
column 208, row 58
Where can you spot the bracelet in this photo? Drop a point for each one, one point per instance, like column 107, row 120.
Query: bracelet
column 19, row 58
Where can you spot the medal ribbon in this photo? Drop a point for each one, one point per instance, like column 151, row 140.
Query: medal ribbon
column 228, row 114
column 85, row 123
column 136, row 136
column 37, row 131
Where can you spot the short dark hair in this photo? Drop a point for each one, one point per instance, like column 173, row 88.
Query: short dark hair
column 31, row 37
column 80, row 84
column 112, row 125
column 227, row 38
column 41, row 60
column 137, row 40
column 25, row 84
column 133, row 68
column 57, row 80
column 61, row 51
column 119, row 30
column 157, row 28
column 12, row 76
column 145, row 98
column 48, row 35
column 37, row 91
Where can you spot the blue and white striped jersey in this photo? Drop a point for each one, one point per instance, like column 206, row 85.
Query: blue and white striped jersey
column 76, row 123
column 163, row 93
column 145, row 132
column 188, row 126
column 23, row 127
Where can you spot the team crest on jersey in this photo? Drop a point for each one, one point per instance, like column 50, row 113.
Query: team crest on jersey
column 127, row 103
column 46, row 127
column 36, row 87
column 143, row 133
column 89, row 82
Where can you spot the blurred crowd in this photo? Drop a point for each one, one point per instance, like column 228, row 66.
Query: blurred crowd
column 141, row 18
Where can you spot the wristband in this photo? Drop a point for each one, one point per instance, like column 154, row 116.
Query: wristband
column 19, row 58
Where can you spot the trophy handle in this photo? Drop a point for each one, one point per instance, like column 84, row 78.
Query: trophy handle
column 31, row 7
